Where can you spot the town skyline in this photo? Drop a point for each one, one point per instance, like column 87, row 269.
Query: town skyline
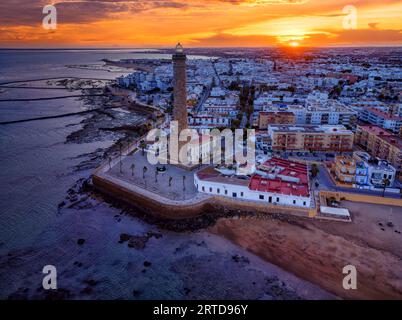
column 212, row 23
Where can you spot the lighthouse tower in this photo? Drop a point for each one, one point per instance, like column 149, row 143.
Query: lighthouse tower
column 180, row 88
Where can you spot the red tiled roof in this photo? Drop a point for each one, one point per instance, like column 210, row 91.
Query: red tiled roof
column 277, row 185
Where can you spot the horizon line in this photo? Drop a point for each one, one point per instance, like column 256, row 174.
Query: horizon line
column 203, row 47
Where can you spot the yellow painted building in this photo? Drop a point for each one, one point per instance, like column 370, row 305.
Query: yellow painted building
column 344, row 168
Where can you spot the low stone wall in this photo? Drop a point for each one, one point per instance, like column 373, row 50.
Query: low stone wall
column 157, row 205
column 150, row 204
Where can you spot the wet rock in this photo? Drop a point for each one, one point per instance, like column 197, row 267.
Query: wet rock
column 87, row 290
column 124, row 237
column 91, row 282
column 152, row 234
column 78, row 264
column 147, row 264
column 237, row 258
column 137, row 242
column 136, row 293
column 80, row 242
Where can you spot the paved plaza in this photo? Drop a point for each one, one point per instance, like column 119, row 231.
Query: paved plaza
column 180, row 188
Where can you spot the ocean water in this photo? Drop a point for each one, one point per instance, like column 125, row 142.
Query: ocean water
column 36, row 171
column 36, row 165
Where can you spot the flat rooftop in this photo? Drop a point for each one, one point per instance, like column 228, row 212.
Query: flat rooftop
column 376, row 130
column 311, row 129
column 383, row 114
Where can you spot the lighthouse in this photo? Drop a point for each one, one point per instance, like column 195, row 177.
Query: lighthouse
column 180, row 88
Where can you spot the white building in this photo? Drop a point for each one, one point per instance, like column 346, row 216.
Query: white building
column 276, row 182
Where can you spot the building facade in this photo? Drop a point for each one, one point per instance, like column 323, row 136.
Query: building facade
column 363, row 170
column 311, row 138
column 382, row 144
column 383, row 119
column 266, row 118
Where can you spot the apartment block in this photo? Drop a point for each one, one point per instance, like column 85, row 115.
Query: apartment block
column 383, row 119
column 275, row 117
column 311, row 138
column 382, row 144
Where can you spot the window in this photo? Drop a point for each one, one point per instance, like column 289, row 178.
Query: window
column 234, row 195
column 226, row 192
column 262, row 197
column 210, row 189
column 270, row 200
column 242, row 194
column 304, row 203
column 219, row 190
column 294, row 201
column 277, row 199
column 203, row 189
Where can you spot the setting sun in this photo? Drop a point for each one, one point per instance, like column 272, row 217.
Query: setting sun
column 294, row 44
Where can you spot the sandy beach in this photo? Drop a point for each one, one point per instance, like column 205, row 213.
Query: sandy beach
column 318, row 250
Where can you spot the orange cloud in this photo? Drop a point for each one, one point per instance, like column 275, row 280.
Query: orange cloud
column 145, row 23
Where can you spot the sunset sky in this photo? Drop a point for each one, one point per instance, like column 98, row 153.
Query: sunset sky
column 200, row 23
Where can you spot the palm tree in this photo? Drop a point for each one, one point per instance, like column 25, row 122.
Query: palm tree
column 132, row 169
column 143, row 145
column 385, row 182
column 314, row 170
column 144, row 170
column 170, row 181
